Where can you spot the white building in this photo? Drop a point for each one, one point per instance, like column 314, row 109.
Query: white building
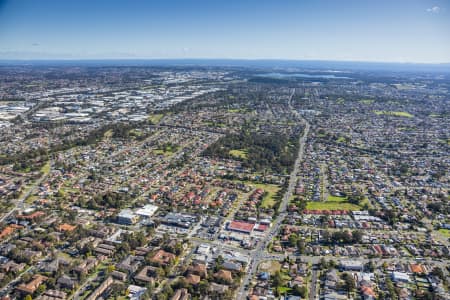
column 147, row 211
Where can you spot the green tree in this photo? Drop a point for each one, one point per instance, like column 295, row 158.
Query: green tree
column 301, row 246
column 300, row 291
column 293, row 238
column 349, row 283
column 277, row 279
column 323, row 263
column 357, row 236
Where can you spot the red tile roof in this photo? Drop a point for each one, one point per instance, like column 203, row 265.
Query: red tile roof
column 241, row 226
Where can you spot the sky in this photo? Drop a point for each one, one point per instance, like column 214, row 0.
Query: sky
column 351, row 30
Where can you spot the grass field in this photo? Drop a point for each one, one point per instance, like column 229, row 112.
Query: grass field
column 31, row 199
column 271, row 189
column 46, row 168
column 108, row 134
column 394, row 113
column 269, row 200
column 435, row 116
column 166, row 150
column 403, row 86
column 332, row 198
column 155, row 118
column 341, row 139
column 333, row 203
column 284, row 289
column 444, row 232
column 162, row 152
column 366, row 101
column 238, row 110
column 239, row 153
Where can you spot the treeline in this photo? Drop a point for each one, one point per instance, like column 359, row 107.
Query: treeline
column 342, row 237
column 109, row 200
column 276, row 151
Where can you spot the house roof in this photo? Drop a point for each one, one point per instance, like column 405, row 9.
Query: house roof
column 193, row 279
column 32, row 286
column 416, row 268
column 66, row 227
column 163, row 257
column 224, row 274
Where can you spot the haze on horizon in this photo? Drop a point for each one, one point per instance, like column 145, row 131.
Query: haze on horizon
column 415, row 31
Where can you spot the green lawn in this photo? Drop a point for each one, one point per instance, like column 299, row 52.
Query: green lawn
column 271, row 189
column 166, row 150
column 366, row 101
column 269, row 200
column 331, row 206
column 243, row 110
column 31, row 199
column 239, row 153
column 332, row 203
column 444, row 232
column 155, row 118
column 108, row 134
column 341, row 139
column 283, row 289
column 162, row 152
column 214, row 124
column 46, row 168
column 394, row 113
column 238, row 110
column 435, row 116
column 332, row 198
column 136, row 133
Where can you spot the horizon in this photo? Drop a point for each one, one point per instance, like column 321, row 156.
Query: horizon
column 415, row 31
column 221, row 59
column 264, row 64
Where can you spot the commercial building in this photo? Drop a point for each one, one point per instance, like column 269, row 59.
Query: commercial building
column 127, row 217
column 147, row 211
column 240, row 226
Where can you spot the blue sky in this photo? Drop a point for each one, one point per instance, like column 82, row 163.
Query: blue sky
column 357, row 30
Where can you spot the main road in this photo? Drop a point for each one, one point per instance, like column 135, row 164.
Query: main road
column 258, row 253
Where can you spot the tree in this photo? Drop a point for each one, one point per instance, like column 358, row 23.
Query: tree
column 371, row 266
column 331, row 264
column 203, row 287
column 301, row 204
column 110, row 269
column 357, row 236
column 41, row 288
column 293, row 238
column 219, row 263
column 323, row 263
column 349, row 283
column 438, row 273
column 326, row 236
column 277, row 279
column 300, row 291
column 391, row 216
column 301, row 246
column 347, row 237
